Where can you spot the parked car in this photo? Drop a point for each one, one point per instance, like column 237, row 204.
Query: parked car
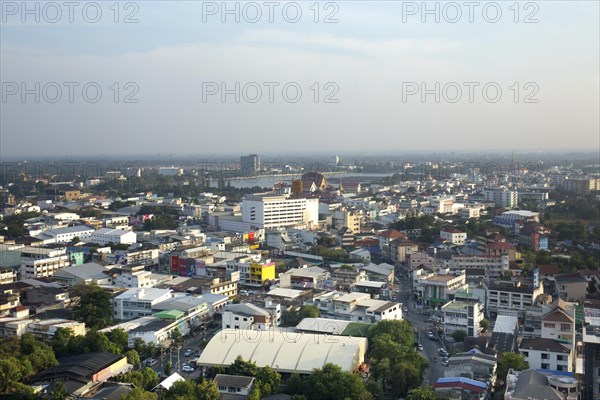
column 445, row 363
column 187, row 368
column 188, row 353
column 420, row 347
column 151, row 362
column 431, row 336
column 443, row 352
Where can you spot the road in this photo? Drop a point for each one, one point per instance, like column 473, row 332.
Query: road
column 423, row 326
column 178, row 358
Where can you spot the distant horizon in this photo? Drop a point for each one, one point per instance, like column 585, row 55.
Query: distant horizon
column 344, row 156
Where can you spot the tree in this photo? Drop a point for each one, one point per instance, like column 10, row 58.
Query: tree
column 254, row 394
column 133, row 358
column 169, row 368
column 177, row 338
column 294, row 384
column 422, row 393
column 120, row 338
column 484, row 324
column 181, row 390
column 149, row 378
column 268, row 380
column 60, row 393
column 94, row 307
column 333, row 383
column 207, row 390
column 140, row 346
column 459, row 335
column 140, row 394
column 242, row 367
column 511, row 360
column 10, row 374
column 61, row 341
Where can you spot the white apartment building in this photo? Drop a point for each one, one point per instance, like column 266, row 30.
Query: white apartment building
column 453, row 235
column 105, row 236
column 461, row 315
column 38, row 262
column 138, row 302
column 510, row 298
column 135, row 278
column 546, row 354
column 68, row 233
column 246, row 316
column 436, row 289
column 273, row 211
column 502, row 197
column 494, row 266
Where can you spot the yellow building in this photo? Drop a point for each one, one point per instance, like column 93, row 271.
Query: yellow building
column 261, row 272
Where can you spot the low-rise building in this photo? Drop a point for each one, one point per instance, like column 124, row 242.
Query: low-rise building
column 460, row 315
column 546, row 354
column 37, row 262
column 571, row 287
column 304, row 278
column 453, row 236
column 246, row 316
column 438, row 288
column 534, row 385
column 511, row 297
column 234, row 385
column 105, row 236
column 138, row 302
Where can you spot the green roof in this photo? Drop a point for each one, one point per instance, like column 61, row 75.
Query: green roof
column 356, row 329
column 169, row 314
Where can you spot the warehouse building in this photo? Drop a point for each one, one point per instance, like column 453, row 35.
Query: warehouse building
column 285, row 351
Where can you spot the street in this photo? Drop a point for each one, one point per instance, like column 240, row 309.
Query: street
column 423, row 326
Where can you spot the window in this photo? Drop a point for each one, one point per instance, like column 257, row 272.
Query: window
column 560, row 358
column 545, row 356
column 549, row 325
column 565, row 327
column 525, row 353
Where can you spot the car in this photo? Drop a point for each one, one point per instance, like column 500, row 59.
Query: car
column 443, row 352
column 187, row 368
column 445, row 363
column 431, row 336
column 420, row 347
column 405, row 309
column 188, row 353
column 151, row 362
column 197, row 353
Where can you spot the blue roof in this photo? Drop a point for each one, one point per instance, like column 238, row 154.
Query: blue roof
column 554, row 372
column 463, row 380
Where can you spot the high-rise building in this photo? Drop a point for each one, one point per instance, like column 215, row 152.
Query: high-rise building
column 502, row 197
column 249, row 165
column 591, row 342
column 269, row 210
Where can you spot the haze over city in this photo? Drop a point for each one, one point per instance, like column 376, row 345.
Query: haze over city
column 176, row 51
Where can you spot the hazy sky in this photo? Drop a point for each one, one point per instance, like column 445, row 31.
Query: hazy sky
column 375, row 61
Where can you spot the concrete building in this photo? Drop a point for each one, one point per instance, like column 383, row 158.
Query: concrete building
column 268, row 210
column 135, row 276
column 494, row 266
column 304, row 278
column 105, row 236
column 582, row 186
column 45, row 329
column 135, row 303
column 502, row 197
column 38, row 262
column 438, row 289
column 465, row 316
column 511, row 298
column 253, row 269
column 84, row 273
column 401, row 248
column 246, row 316
column 250, row 165
column 571, row 287
column 67, row 234
column 535, row 385
column 591, row 342
column 453, row 236
column 546, row 354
